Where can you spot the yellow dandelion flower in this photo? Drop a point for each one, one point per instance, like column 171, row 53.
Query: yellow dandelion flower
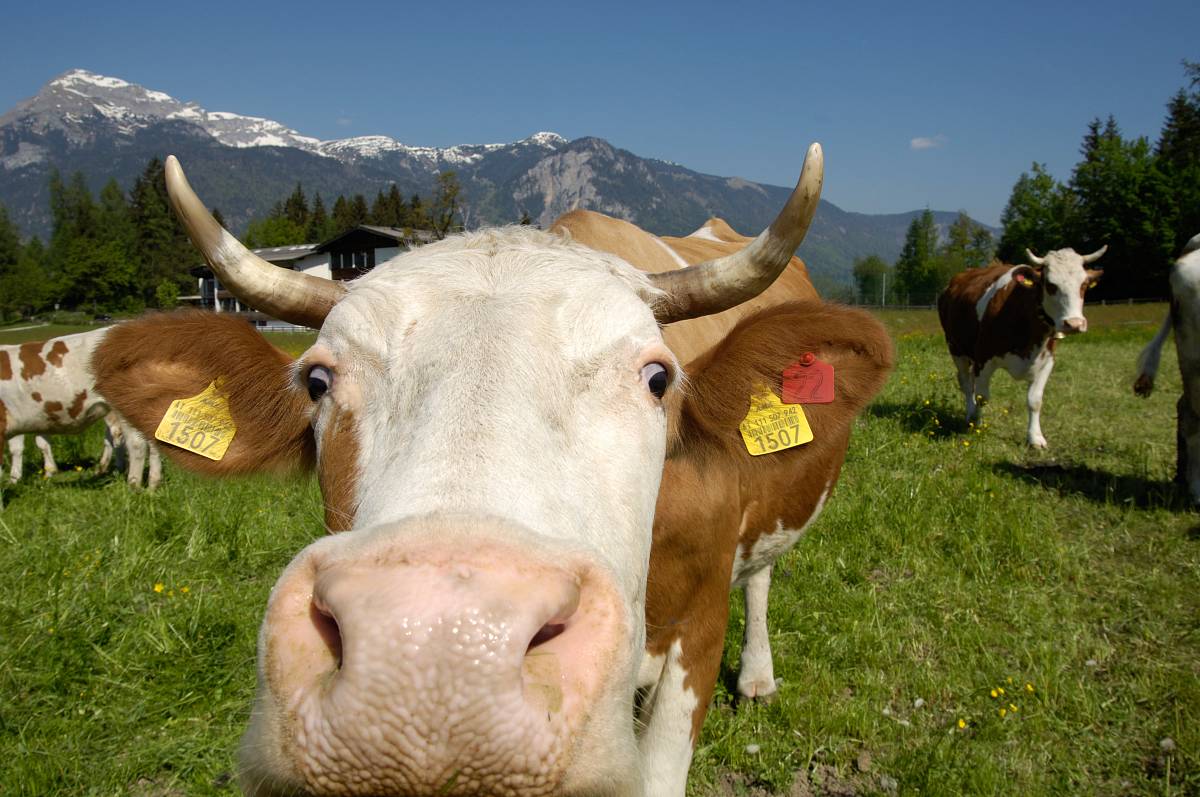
column 184, row 590
column 966, row 443
column 1008, row 680
column 962, row 724
column 78, row 468
column 1012, row 707
column 158, row 586
column 170, row 593
column 995, row 693
column 1000, row 689
column 1028, row 687
column 1003, row 711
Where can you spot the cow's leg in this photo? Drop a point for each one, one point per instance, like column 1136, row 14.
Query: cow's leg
column 16, row 457
column 966, row 383
column 155, row 477
column 112, row 439
column 756, row 675
column 1039, row 374
column 982, row 392
column 674, row 710
column 49, row 466
column 135, row 451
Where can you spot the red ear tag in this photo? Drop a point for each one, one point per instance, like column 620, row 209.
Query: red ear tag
column 808, row 381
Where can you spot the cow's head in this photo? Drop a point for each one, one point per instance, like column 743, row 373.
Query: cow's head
column 1063, row 278
column 485, row 416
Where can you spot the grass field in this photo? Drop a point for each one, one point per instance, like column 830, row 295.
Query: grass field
column 950, row 562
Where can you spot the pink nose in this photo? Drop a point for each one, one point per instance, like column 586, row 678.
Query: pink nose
column 1074, row 326
column 396, row 671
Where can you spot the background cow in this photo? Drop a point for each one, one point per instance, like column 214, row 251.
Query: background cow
column 723, row 516
column 488, row 415
column 46, row 387
column 1011, row 317
column 1184, row 319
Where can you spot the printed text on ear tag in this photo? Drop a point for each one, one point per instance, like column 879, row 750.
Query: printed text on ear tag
column 770, row 425
column 808, row 381
column 200, row 424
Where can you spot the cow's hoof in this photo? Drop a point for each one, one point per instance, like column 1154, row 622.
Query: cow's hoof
column 1038, row 442
column 759, row 691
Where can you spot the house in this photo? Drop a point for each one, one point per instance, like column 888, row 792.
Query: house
column 343, row 257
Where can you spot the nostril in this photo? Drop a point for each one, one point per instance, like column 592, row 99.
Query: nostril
column 327, row 627
column 545, row 634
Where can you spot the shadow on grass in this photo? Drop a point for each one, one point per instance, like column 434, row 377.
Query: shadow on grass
column 920, row 418
column 1100, row 485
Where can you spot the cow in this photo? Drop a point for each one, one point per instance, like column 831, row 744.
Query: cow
column 724, row 517
column 488, row 417
column 1012, row 317
column 46, row 388
column 1184, row 319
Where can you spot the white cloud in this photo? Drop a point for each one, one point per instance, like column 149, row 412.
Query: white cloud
column 928, row 142
column 345, row 121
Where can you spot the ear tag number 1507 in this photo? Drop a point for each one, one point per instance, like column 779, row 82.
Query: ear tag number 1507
column 201, row 424
column 770, row 425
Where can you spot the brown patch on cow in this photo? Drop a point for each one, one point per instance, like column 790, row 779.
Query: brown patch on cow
column 141, row 366
column 36, row 396
column 32, row 363
column 712, row 487
column 77, row 404
column 5, row 366
column 52, row 408
column 3, row 420
column 1012, row 323
column 57, row 352
column 338, row 471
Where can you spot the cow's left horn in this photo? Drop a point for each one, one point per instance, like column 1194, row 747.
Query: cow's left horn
column 1034, row 259
column 1094, row 256
column 285, row 294
column 716, row 285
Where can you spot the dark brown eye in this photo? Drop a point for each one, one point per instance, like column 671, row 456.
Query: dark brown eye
column 655, row 378
column 1051, row 288
column 320, row 379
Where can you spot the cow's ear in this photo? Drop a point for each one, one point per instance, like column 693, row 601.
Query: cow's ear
column 142, row 366
column 1093, row 276
column 1026, row 276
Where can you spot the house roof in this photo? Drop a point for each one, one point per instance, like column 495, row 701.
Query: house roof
column 399, row 235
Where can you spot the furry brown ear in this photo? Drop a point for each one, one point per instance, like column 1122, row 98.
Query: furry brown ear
column 1093, row 276
column 1026, row 276
column 756, row 351
column 141, row 366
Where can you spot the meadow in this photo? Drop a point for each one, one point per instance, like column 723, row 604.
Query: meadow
column 968, row 616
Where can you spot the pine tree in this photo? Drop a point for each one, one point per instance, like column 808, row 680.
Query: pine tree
column 295, row 208
column 343, row 219
column 359, row 213
column 163, row 249
column 1178, row 153
column 443, row 209
column 318, row 223
column 917, row 278
column 1037, row 216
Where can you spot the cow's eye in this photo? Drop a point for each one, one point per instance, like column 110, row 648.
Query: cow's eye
column 1051, row 288
column 320, row 379
column 655, row 378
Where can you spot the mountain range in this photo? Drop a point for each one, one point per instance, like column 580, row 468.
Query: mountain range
column 109, row 128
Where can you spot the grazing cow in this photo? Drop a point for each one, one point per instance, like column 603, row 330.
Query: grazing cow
column 1184, row 319
column 1012, row 317
column 46, row 388
column 724, row 517
column 488, row 417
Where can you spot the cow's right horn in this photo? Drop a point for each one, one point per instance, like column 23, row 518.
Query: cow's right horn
column 285, row 294
column 717, row 285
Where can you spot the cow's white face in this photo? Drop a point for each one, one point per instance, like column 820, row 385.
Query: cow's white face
column 1065, row 279
column 489, row 433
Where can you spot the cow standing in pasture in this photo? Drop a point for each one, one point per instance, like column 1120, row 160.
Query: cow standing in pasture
column 1012, row 317
column 1184, row 320
column 488, row 417
column 724, row 517
column 46, row 387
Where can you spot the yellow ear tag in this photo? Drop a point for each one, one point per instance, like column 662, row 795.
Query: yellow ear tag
column 770, row 425
column 200, row 424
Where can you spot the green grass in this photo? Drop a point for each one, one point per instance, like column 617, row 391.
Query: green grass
column 938, row 571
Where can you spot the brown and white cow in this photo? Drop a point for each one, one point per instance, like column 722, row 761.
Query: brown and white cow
column 723, row 516
column 46, row 388
column 1184, row 320
column 488, row 419
column 1012, row 317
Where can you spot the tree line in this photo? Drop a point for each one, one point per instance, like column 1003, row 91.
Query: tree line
column 123, row 252
column 1142, row 200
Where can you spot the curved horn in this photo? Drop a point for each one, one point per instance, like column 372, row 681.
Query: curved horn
column 285, row 294
column 716, row 285
column 1034, row 259
column 1094, row 256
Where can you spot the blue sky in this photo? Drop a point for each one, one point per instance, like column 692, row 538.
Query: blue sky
column 728, row 89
